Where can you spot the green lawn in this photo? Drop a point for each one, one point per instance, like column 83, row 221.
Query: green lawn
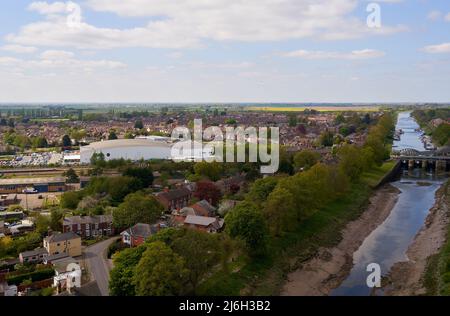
column 323, row 229
column 374, row 176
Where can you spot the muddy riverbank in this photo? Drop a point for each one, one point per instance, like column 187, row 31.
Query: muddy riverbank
column 324, row 272
column 407, row 277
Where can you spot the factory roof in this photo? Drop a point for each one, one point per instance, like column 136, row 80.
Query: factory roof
column 126, row 143
column 31, row 181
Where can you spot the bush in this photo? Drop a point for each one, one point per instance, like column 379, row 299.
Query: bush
column 35, row 276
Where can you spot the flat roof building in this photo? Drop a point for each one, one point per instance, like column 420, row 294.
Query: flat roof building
column 17, row 185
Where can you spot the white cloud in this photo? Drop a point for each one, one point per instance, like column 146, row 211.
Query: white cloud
column 437, row 49
column 48, row 8
column 189, row 23
column 62, row 61
column 57, row 54
column 434, row 15
column 19, row 49
column 447, row 17
column 353, row 55
column 8, row 61
column 387, row 1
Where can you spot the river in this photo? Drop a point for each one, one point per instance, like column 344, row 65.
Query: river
column 388, row 243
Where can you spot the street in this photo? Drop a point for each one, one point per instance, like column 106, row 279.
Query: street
column 98, row 265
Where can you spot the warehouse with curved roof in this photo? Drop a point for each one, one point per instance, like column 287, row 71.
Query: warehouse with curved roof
column 146, row 149
column 132, row 149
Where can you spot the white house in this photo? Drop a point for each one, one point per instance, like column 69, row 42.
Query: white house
column 67, row 275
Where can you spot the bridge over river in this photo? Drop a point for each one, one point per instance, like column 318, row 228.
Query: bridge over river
column 438, row 160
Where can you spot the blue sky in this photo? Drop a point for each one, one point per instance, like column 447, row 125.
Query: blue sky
column 224, row 51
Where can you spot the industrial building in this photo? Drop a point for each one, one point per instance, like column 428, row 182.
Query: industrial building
column 139, row 148
column 132, row 149
column 40, row 185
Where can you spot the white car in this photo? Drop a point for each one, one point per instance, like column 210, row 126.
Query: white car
column 30, row 191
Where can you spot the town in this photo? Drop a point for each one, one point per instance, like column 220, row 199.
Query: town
column 71, row 226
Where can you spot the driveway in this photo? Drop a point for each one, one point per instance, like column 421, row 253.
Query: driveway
column 98, row 265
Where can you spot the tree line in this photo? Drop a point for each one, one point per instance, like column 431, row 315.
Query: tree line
column 176, row 261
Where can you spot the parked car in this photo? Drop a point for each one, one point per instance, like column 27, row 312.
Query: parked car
column 30, row 191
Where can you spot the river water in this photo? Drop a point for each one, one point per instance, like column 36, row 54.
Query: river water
column 388, row 243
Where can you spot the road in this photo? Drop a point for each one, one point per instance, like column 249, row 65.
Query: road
column 98, row 264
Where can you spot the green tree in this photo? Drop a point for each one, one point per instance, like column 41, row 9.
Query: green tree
column 121, row 281
column 70, row 199
column 305, row 159
column 138, row 124
column 326, row 139
column 39, row 142
column 247, row 223
column 351, row 160
column 293, row 120
column 210, row 170
column 98, row 160
column 143, row 174
column 160, row 272
column 112, row 135
column 71, row 176
column 261, row 189
column 441, row 135
column 200, row 251
column 137, row 208
column 66, row 141
column 56, row 217
column 339, row 119
column 42, row 224
column 280, row 211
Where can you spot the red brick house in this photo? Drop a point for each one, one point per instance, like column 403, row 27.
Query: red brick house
column 89, row 226
column 136, row 235
column 174, row 199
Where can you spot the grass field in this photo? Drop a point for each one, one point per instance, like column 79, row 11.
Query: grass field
column 317, row 108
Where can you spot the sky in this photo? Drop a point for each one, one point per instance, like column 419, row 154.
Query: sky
column 189, row 51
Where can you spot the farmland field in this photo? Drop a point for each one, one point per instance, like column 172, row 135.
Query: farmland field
column 317, row 108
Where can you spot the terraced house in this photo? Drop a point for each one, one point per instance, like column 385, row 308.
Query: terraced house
column 89, row 226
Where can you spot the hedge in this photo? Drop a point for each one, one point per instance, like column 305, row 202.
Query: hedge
column 34, row 276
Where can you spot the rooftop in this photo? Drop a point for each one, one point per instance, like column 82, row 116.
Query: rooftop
column 62, row 237
column 126, row 143
column 31, row 181
column 142, row 230
column 199, row 220
column 175, row 194
column 88, row 219
column 57, row 257
column 32, row 253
